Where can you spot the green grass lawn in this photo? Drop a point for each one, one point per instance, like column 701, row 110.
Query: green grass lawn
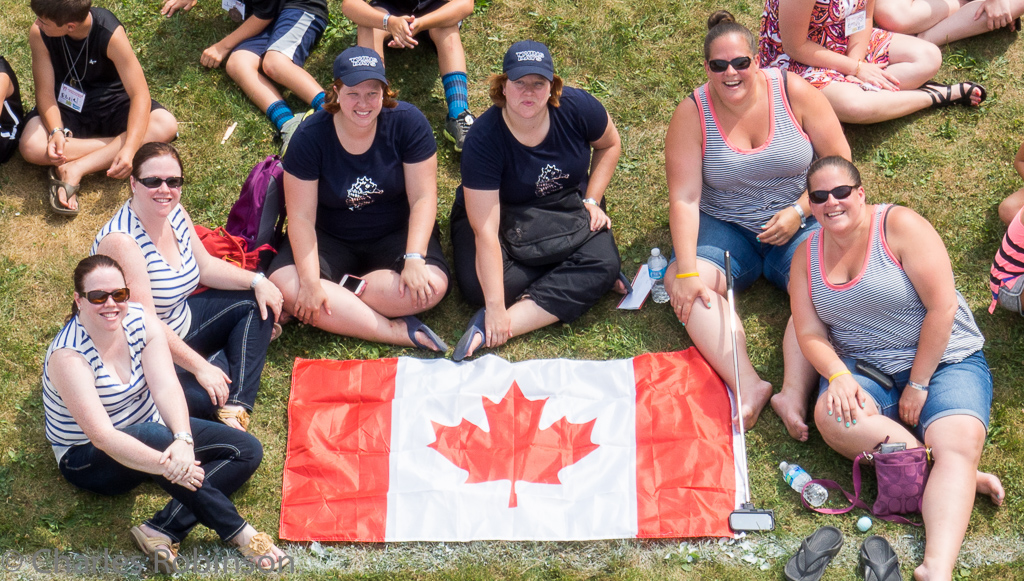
column 640, row 59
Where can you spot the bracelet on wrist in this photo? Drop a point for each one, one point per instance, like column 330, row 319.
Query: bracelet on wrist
column 837, row 374
column 800, row 212
column 64, row 130
column 917, row 386
column 591, row 201
column 256, row 280
column 386, row 17
column 687, row 274
column 413, row 255
column 185, row 437
column 856, row 71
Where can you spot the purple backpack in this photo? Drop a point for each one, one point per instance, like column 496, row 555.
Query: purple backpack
column 258, row 215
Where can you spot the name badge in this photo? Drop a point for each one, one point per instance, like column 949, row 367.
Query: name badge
column 235, row 8
column 71, row 98
column 856, row 22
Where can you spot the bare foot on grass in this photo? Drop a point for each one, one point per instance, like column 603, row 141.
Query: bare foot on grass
column 754, row 400
column 989, row 484
column 791, row 408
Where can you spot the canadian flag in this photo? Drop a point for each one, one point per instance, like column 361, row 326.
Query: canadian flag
column 429, row 450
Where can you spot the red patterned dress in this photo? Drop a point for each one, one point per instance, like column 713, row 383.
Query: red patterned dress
column 827, row 28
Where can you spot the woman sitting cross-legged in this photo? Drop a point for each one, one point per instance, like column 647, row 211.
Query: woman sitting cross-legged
column 897, row 348
column 360, row 181
column 116, row 417
column 153, row 238
column 867, row 74
column 540, row 142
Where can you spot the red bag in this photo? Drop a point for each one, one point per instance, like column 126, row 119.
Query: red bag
column 229, row 248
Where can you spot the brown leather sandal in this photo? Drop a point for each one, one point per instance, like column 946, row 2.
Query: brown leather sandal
column 258, row 552
column 162, row 552
column 239, row 415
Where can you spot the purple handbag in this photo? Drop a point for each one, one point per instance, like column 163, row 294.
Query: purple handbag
column 901, row 477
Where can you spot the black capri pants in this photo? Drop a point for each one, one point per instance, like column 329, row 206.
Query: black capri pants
column 566, row 289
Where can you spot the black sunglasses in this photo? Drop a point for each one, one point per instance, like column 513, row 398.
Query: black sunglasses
column 739, row 63
column 838, row 192
column 154, row 182
column 98, row 297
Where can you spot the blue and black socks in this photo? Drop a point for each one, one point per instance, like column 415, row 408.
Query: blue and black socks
column 318, row 101
column 456, row 93
column 279, row 113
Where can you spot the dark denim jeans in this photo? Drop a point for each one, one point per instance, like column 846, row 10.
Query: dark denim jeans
column 228, row 456
column 227, row 330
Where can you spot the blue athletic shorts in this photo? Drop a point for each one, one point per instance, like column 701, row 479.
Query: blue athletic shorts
column 750, row 257
column 955, row 389
column 293, row 33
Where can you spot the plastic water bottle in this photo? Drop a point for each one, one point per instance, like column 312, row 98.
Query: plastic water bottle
column 796, row 477
column 656, row 266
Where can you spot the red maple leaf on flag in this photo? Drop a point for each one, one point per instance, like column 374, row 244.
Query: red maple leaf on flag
column 515, row 448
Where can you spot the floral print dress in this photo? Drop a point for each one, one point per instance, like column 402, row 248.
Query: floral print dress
column 827, row 28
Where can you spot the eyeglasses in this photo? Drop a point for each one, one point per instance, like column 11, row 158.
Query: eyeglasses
column 98, row 297
column 838, row 192
column 154, row 182
column 739, row 63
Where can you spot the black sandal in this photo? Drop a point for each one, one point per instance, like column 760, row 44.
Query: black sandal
column 878, row 561
column 942, row 95
column 816, row 552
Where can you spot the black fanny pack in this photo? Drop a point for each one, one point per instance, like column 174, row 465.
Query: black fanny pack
column 547, row 230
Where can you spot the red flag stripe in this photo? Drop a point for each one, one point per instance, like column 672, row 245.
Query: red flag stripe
column 685, row 473
column 350, row 423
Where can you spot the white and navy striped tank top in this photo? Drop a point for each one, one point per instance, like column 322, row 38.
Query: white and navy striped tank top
column 877, row 316
column 126, row 404
column 170, row 287
column 747, row 187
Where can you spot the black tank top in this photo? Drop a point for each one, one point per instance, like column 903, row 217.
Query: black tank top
column 84, row 64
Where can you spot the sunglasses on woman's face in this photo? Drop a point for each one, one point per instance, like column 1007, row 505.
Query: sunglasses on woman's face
column 839, row 193
column 154, row 182
column 98, row 297
column 739, row 63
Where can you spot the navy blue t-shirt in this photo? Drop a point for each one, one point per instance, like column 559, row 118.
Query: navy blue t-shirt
column 269, row 9
column 493, row 159
column 361, row 197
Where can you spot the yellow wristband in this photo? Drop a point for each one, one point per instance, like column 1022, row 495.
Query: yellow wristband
column 838, row 373
column 687, row 274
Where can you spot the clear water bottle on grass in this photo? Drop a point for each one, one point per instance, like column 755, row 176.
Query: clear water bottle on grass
column 796, row 477
column 656, row 266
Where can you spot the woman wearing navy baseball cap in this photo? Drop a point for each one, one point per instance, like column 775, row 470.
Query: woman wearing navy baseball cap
column 360, row 181
column 540, row 142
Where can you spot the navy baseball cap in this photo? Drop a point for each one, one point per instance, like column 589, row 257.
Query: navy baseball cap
column 357, row 64
column 528, row 57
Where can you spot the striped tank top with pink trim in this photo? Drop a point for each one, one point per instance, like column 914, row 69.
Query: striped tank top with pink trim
column 747, row 187
column 1009, row 260
column 877, row 316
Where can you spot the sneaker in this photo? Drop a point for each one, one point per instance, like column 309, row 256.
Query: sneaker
column 289, row 127
column 456, row 128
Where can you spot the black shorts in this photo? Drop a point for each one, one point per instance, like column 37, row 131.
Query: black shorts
column 566, row 290
column 402, row 9
column 110, row 121
column 338, row 257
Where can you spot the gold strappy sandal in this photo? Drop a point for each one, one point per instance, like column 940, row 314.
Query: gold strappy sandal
column 239, row 415
column 156, row 550
column 258, row 552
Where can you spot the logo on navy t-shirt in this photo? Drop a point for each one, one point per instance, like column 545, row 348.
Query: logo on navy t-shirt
column 360, row 193
column 547, row 181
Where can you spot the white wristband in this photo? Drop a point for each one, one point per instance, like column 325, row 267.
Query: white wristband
column 803, row 217
column 256, row 280
column 386, row 16
column 591, row 201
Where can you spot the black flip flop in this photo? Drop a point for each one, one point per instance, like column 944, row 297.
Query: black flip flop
column 625, row 283
column 415, row 325
column 878, row 561
column 476, row 327
column 815, row 553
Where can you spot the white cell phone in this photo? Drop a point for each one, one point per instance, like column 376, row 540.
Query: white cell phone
column 353, row 283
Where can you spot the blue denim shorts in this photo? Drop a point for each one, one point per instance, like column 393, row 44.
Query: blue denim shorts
column 750, row 257
column 293, row 33
column 955, row 389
